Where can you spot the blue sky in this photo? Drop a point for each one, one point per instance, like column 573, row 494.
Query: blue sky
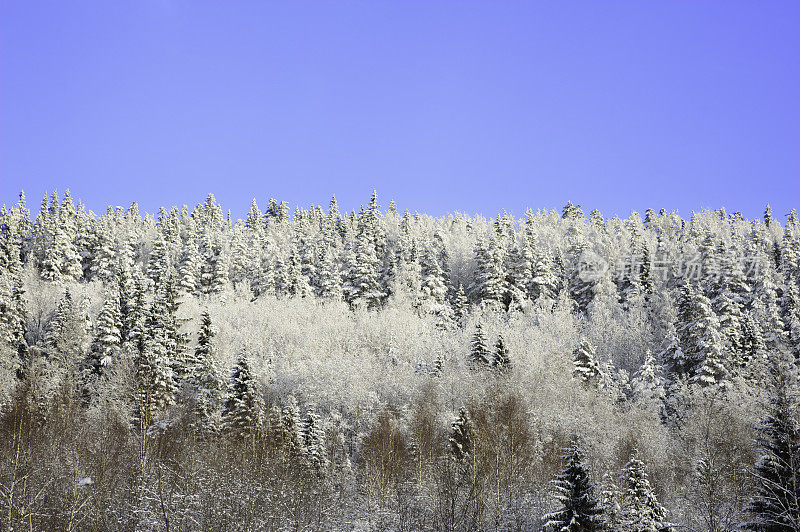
column 439, row 105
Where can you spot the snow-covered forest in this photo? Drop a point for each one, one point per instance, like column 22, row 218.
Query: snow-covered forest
column 385, row 370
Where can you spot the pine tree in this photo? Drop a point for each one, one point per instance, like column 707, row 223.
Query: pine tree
column 641, row 511
column 545, row 281
column 329, row 281
column 701, row 340
column 610, row 501
column 244, row 407
column 158, row 264
column 156, row 385
column 105, row 261
column 647, row 383
column 579, row 510
column 775, row 505
column 361, row 287
column 189, row 269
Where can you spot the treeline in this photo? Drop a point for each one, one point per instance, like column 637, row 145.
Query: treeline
column 378, row 370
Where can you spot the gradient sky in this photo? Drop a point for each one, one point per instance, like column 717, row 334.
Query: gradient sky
column 439, row 105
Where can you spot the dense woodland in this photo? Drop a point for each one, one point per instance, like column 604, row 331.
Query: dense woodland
column 381, row 370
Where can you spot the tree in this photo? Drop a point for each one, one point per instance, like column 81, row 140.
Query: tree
column 203, row 377
column 461, row 436
column 502, row 359
column 641, row 511
column 579, row 510
column 587, row 369
column 479, row 353
column 775, row 505
column 244, row 407
column 108, row 338
column 489, row 286
column 314, row 441
column 361, row 286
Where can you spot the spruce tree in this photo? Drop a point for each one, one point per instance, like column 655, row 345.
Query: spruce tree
column 579, row 510
column 641, row 511
column 479, row 352
column 502, row 358
column 244, row 407
column 586, row 367
column 775, row 505
column 314, row 442
column 203, row 377
column 108, row 337
column 461, row 436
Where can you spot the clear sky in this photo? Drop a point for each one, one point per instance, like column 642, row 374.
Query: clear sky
column 439, row 105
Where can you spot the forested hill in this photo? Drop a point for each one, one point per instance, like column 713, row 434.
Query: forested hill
column 387, row 370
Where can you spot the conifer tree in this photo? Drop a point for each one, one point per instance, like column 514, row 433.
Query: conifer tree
column 647, row 383
column 156, row 385
column 158, row 264
column 479, row 352
column 502, row 358
column 489, row 286
column 203, row 377
column 108, row 338
column 579, row 510
column 545, row 281
column 361, row 286
column 244, row 407
column 292, row 429
column 641, row 511
column 329, row 279
column 587, row 369
column 314, row 441
column 775, row 505
column 460, row 306
column 461, row 436
column 189, row 269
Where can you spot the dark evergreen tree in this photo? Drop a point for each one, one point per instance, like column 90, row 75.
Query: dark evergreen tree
column 502, row 358
column 775, row 505
column 579, row 510
column 479, row 352
column 461, row 436
column 244, row 407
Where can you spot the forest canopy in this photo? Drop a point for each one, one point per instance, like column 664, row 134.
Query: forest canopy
column 378, row 370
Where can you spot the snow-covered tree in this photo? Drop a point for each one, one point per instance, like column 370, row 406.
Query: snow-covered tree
column 775, row 505
column 641, row 511
column 578, row 508
column 586, row 366
column 244, row 406
column 479, row 352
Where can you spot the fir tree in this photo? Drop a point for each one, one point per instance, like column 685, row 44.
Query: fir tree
column 108, row 338
column 292, row 430
column 203, row 377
